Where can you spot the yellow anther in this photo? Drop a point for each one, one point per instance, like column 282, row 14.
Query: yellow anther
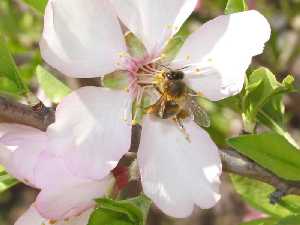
column 197, row 70
column 188, row 57
column 122, row 54
column 169, row 26
column 52, row 221
column 163, row 55
column 134, row 122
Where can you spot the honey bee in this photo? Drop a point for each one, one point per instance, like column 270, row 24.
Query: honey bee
column 177, row 101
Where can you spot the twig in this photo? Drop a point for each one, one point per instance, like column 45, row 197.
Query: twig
column 14, row 112
column 233, row 162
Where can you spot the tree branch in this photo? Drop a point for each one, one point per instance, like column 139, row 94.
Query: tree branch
column 232, row 161
column 14, row 112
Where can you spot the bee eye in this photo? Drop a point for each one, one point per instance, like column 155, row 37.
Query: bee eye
column 175, row 75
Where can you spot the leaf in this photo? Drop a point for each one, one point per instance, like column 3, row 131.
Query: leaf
column 267, row 221
column 39, row 5
column 126, row 212
column 9, row 69
column 271, row 151
column 234, row 6
column 108, row 217
column 264, row 92
column 257, row 194
column 54, row 89
column 290, row 220
column 6, row 181
column 116, row 80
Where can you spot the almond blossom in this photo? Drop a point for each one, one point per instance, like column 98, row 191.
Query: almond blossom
column 81, row 42
column 40, row 159
column 84, row 39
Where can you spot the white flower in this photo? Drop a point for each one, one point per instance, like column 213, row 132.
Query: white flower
column 83, row 38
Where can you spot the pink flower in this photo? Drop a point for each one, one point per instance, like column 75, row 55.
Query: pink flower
column 83, row 38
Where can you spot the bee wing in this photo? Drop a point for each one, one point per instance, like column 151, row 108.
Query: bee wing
column 200, row 116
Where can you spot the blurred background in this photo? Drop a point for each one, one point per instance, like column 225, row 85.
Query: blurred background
column 22, row 27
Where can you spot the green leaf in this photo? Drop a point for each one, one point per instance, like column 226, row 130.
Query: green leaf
column 116, row 80
column 135, row 47
column 39, row 5
column 6, row 181
column 54, row 89
column 290, row 220
column 9, row 69
column 234, row 6
column 108, row 217
column 264, row 92
column 126, row 212
column 257, row 194
column 267, row 221
column 271, row 151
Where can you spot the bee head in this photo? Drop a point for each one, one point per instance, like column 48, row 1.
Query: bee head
column 175, row 75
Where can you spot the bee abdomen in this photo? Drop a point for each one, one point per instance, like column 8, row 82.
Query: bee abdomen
column 171, row 109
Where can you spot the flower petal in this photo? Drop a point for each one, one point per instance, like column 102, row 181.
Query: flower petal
column 175, row 173
column 64, row 195
column 154, row 22
column 220, row 52
column 21, row 148
column 32, row 217
column 90, row 132
column 78, row 40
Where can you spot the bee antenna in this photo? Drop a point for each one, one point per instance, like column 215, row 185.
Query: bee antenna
column 185, row 67
column 164, row 66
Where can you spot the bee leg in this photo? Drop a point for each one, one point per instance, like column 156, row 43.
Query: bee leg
column 178, row 121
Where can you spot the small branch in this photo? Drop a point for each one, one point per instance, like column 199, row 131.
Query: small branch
column 232, row 161
column 14, row 112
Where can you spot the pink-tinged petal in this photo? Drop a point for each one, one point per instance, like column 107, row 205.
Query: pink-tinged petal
column 67, row 202
column 32, row 217
column 21, row 148
column 177, row 174
column 81, row 38
column 154, row 22
column 220, row 52
column 90, row 132
column 64, row 195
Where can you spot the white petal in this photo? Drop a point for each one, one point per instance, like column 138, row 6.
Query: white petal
column 154, row 22
column 220, row 52
column 90, row 132
column 175, row 173
column 32, row 217
column 64, row 195
column 81, row 38
column 20, row 150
